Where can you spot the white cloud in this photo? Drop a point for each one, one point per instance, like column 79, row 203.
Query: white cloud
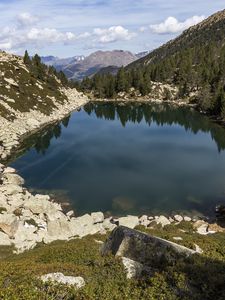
column 113, row 34
column 50, row 35
column 26, row 19
column 172, row 25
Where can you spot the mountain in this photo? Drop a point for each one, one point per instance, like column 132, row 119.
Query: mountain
column 60, row 63
column 194, row 62
column 78, row 67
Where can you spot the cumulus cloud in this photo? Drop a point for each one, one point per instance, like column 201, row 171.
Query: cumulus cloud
column 22, row 34
column 50, row 35
column 113, row 34
column 172, row 25
column 26, row 19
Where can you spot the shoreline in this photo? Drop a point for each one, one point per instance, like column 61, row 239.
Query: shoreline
column 27, row 219
column 12, row 134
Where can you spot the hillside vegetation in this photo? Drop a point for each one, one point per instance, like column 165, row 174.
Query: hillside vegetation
column 27, row 84
column 197, row 277
column 194, row 62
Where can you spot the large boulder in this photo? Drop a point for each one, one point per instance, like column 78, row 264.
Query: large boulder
column 142, row 248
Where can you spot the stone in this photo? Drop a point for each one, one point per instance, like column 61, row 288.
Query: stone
column 11, row 189
column 98, row 217
column 133, row 268
column 9, row 170
column 78, row 282
column 177, row 238
column 162, row 220
column 13, row 179
column 70, row 213
column 4, row 239
column 129, row 221
column 143, row 248
column 108, row 225
column 59, row 229
column 198, row 249
column 9, row 224
column 178, row 218
column 187, row 219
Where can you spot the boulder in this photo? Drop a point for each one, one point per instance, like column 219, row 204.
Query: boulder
column 9, row 224
column 98, row 217
column 108, row 225
column 187, row 219
column 13, row 179
column 143, row 248
column 162, row 220
column 178, row 218
column 11, row 189
column 133, row 268
column 129, row 221
column 4, row 239
column 78, row 282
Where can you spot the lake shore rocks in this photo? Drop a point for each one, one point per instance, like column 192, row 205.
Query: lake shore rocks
column 27, row 219
column 12, row 132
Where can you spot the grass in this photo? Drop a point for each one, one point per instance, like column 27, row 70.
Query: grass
column 199, row 277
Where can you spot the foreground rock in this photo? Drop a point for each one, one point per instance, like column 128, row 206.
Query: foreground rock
column 78, row 282
column 141, row 251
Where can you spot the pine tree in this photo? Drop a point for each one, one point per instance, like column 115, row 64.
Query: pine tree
column 26, row 58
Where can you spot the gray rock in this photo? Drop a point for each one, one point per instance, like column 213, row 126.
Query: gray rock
column 9, row 224
column 162, row 220
column 13, row 179
column 178, row 218
column 140, row 247
column 108, row 225
column 133, row 268
column 78, row 282
column 4, row 239
column 187, row 219
column 129, row 221
column 98, row 217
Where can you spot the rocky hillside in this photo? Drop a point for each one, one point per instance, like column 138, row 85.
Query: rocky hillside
column 211, row 30
column 96, row 61
column 194, row 63
column 31, row 95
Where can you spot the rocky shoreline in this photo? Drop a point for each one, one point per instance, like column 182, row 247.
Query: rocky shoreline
column 12, row 133
column 26, row 219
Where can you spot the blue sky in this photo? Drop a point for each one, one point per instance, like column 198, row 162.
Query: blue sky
column 75, row 27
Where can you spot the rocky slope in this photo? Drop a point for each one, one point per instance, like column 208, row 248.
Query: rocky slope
column 28, row 103
column 210, row 30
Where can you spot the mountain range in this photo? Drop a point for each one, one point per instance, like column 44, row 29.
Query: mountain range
column 78, row 67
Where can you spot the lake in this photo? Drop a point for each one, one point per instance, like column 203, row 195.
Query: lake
column 129, row 159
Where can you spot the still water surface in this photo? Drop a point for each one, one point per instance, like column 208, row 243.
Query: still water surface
column 129, row 159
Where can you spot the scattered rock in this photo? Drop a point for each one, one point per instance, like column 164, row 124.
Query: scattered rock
column 129, row 221
column 98, row 217
column 162, row 220
column 78, row 282
column 178, row 218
